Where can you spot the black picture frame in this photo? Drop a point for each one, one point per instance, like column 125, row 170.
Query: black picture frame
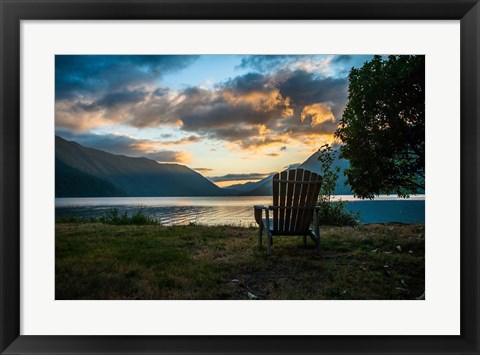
column 12, row 12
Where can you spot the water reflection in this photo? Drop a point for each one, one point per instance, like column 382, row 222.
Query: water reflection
column 231, row 210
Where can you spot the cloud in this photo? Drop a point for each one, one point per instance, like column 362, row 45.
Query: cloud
column 169, row 156
column 97, row 90
column 263, row 63
column 305, row 88
column 341, row 59
column 252, row 111
column 320, row 64
column 273, row 154
column 183, row 141
column 86, row 75
column 235, row 177
column 125, row 145
column 255, row 110
column 317, row 113
column 115, row 99
column 203, row 170
column 134, row 108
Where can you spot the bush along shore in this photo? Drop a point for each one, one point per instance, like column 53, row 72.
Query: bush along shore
column 117, row 258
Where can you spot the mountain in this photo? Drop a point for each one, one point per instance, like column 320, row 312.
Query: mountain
column 260, row 188
column 71, row 182
column 264, row 187
column 241, row 187
column 313, row 164
column 133, row 176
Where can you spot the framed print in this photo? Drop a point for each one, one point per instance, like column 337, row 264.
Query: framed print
column 238, row 177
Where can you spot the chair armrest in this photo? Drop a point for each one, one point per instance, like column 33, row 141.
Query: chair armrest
column 260, row 207
column 258, row 213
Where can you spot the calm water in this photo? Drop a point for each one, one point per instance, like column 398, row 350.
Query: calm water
column 236, row 210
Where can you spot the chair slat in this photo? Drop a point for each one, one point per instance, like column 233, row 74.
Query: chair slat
column 309, row 203
column 296, row 197
column 301, row 202
column 295, row 194
column 296, row 181
column 288, row 208
column 283, row 189
column 275, row 202
column 288, row 204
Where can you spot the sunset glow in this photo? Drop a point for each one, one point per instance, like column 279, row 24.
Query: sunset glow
column 221, row 115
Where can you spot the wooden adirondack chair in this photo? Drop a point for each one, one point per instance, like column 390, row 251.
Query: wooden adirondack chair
column 295, row 194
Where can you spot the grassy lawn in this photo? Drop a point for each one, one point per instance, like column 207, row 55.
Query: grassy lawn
column 100, row 261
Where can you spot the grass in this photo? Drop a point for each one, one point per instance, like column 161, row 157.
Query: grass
column 100, row 261
column 115, row 217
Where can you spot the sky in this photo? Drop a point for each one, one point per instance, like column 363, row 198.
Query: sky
column 232, row 118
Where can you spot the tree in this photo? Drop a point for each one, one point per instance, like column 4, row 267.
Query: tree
column 332, row 213
column 383, row 127
column 326, row 157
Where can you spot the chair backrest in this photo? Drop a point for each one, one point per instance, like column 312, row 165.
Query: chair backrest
column 295, row 194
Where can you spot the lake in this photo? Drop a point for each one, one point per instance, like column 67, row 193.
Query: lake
column 236, row 210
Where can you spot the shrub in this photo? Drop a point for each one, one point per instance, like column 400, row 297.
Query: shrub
column 334, row 214
column 113, row 216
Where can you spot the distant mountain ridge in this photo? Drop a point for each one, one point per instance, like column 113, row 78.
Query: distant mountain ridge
column 71, row 182
column 264, row 187
column 134, row 176
column 87, row 172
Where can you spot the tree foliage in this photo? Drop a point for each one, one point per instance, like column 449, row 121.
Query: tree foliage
column 326, row 158
column 383, row 126
column 332, row 213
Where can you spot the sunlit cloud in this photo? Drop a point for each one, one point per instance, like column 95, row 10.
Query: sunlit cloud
column 236, row 177
column 318, row 113
column 168, row 156
column 249, row 112
column 129, row 146
column 276, row 109
column 183, row 141
column 203, row 170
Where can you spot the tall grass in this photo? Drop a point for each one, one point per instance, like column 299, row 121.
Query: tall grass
column 114, row 217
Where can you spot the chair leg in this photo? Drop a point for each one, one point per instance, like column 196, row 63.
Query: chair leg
column 267, row 231
column 317, row 231
column 260, row 230
column 269, row 242
column 316, row 240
